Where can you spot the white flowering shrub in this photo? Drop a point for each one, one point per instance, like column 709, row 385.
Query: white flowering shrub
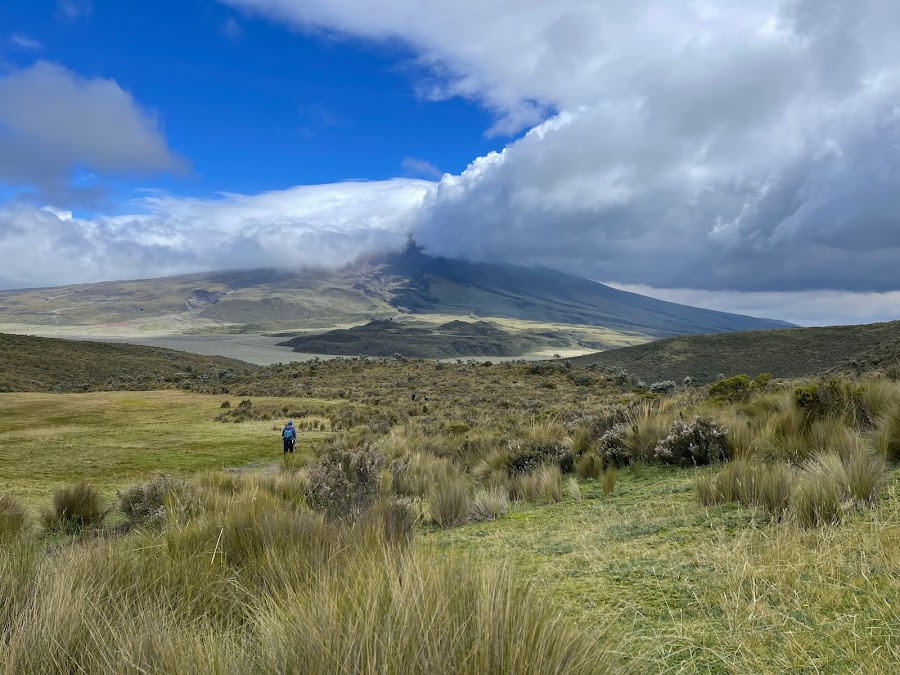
column 346, row 482
column 700, row 441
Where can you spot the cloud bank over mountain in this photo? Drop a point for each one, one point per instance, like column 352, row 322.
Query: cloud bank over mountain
column 749, row 146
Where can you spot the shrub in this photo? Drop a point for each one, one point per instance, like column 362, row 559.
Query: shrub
column 74, row 508
column 697, row 442
column 613, row 446
column 761, row 382
column 448, row 500
column 525, row 456
column 346, row 481
column 12, row 519
column 664, row 387
column 147, row 502
column 834, row 397
column 489, row 503
column 731, row 389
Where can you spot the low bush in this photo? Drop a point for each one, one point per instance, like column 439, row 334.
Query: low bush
column 613, row 446
column 693, row 443
column 147, row 502
column 12, row 519
column 835, row 397
column 346, row 481
column 73, row 509
column 526, row 456
column 731, row 389
column 664, row 387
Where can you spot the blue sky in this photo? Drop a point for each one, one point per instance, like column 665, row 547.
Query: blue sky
column 742, row 156
column 252, row 106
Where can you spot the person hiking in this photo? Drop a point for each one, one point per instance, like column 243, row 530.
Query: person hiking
column 289, row 436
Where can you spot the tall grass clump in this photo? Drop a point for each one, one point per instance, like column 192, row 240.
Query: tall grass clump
column 574, row 489
column 645, row 429
column 448, row 500
column 489, row 503
column 73, row 509
column 422, row 615
column 816, row 502
column 589, row 465
column 887, row 434
column 12, row 519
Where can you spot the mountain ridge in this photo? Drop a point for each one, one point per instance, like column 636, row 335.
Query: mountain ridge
column 373, row 287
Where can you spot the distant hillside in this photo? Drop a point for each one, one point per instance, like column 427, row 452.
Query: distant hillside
column 372, row 288
column 47, row 364
column 783, row 353
column 450, row 340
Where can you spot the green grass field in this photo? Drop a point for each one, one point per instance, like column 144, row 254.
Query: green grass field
column 114, row 439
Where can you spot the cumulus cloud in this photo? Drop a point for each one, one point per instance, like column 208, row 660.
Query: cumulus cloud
column 317, row 225
column 752, row 145
column 53, row 121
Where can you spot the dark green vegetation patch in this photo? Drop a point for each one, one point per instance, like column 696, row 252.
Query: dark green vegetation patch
column 797, row 352
column 450, row 340
column 48, row 364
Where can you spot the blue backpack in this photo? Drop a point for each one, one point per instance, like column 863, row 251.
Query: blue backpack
column 289, row 433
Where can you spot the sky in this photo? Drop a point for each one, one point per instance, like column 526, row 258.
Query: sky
column 740, row 155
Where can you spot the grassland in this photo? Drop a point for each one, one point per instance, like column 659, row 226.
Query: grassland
column 115, row 439
column 523, row 519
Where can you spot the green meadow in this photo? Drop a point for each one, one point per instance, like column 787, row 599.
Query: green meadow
column 534, row 519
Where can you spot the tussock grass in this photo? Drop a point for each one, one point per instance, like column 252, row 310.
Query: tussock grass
column 73, row 509
column 448, row 500
column 489, row 503
column 589, row 465
column 12, row 519
column 252, row 584
column 573, row 489
column 608, row 480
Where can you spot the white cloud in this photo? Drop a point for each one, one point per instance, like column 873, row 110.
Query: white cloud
column 316, row 225
column 420, row 167
column 52, row 121
column 20, row 41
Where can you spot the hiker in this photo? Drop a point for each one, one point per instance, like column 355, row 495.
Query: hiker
column 414, row 396
column 289, row 436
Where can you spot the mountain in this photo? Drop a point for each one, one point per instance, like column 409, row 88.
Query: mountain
column 796, row 352
column 372, row 288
